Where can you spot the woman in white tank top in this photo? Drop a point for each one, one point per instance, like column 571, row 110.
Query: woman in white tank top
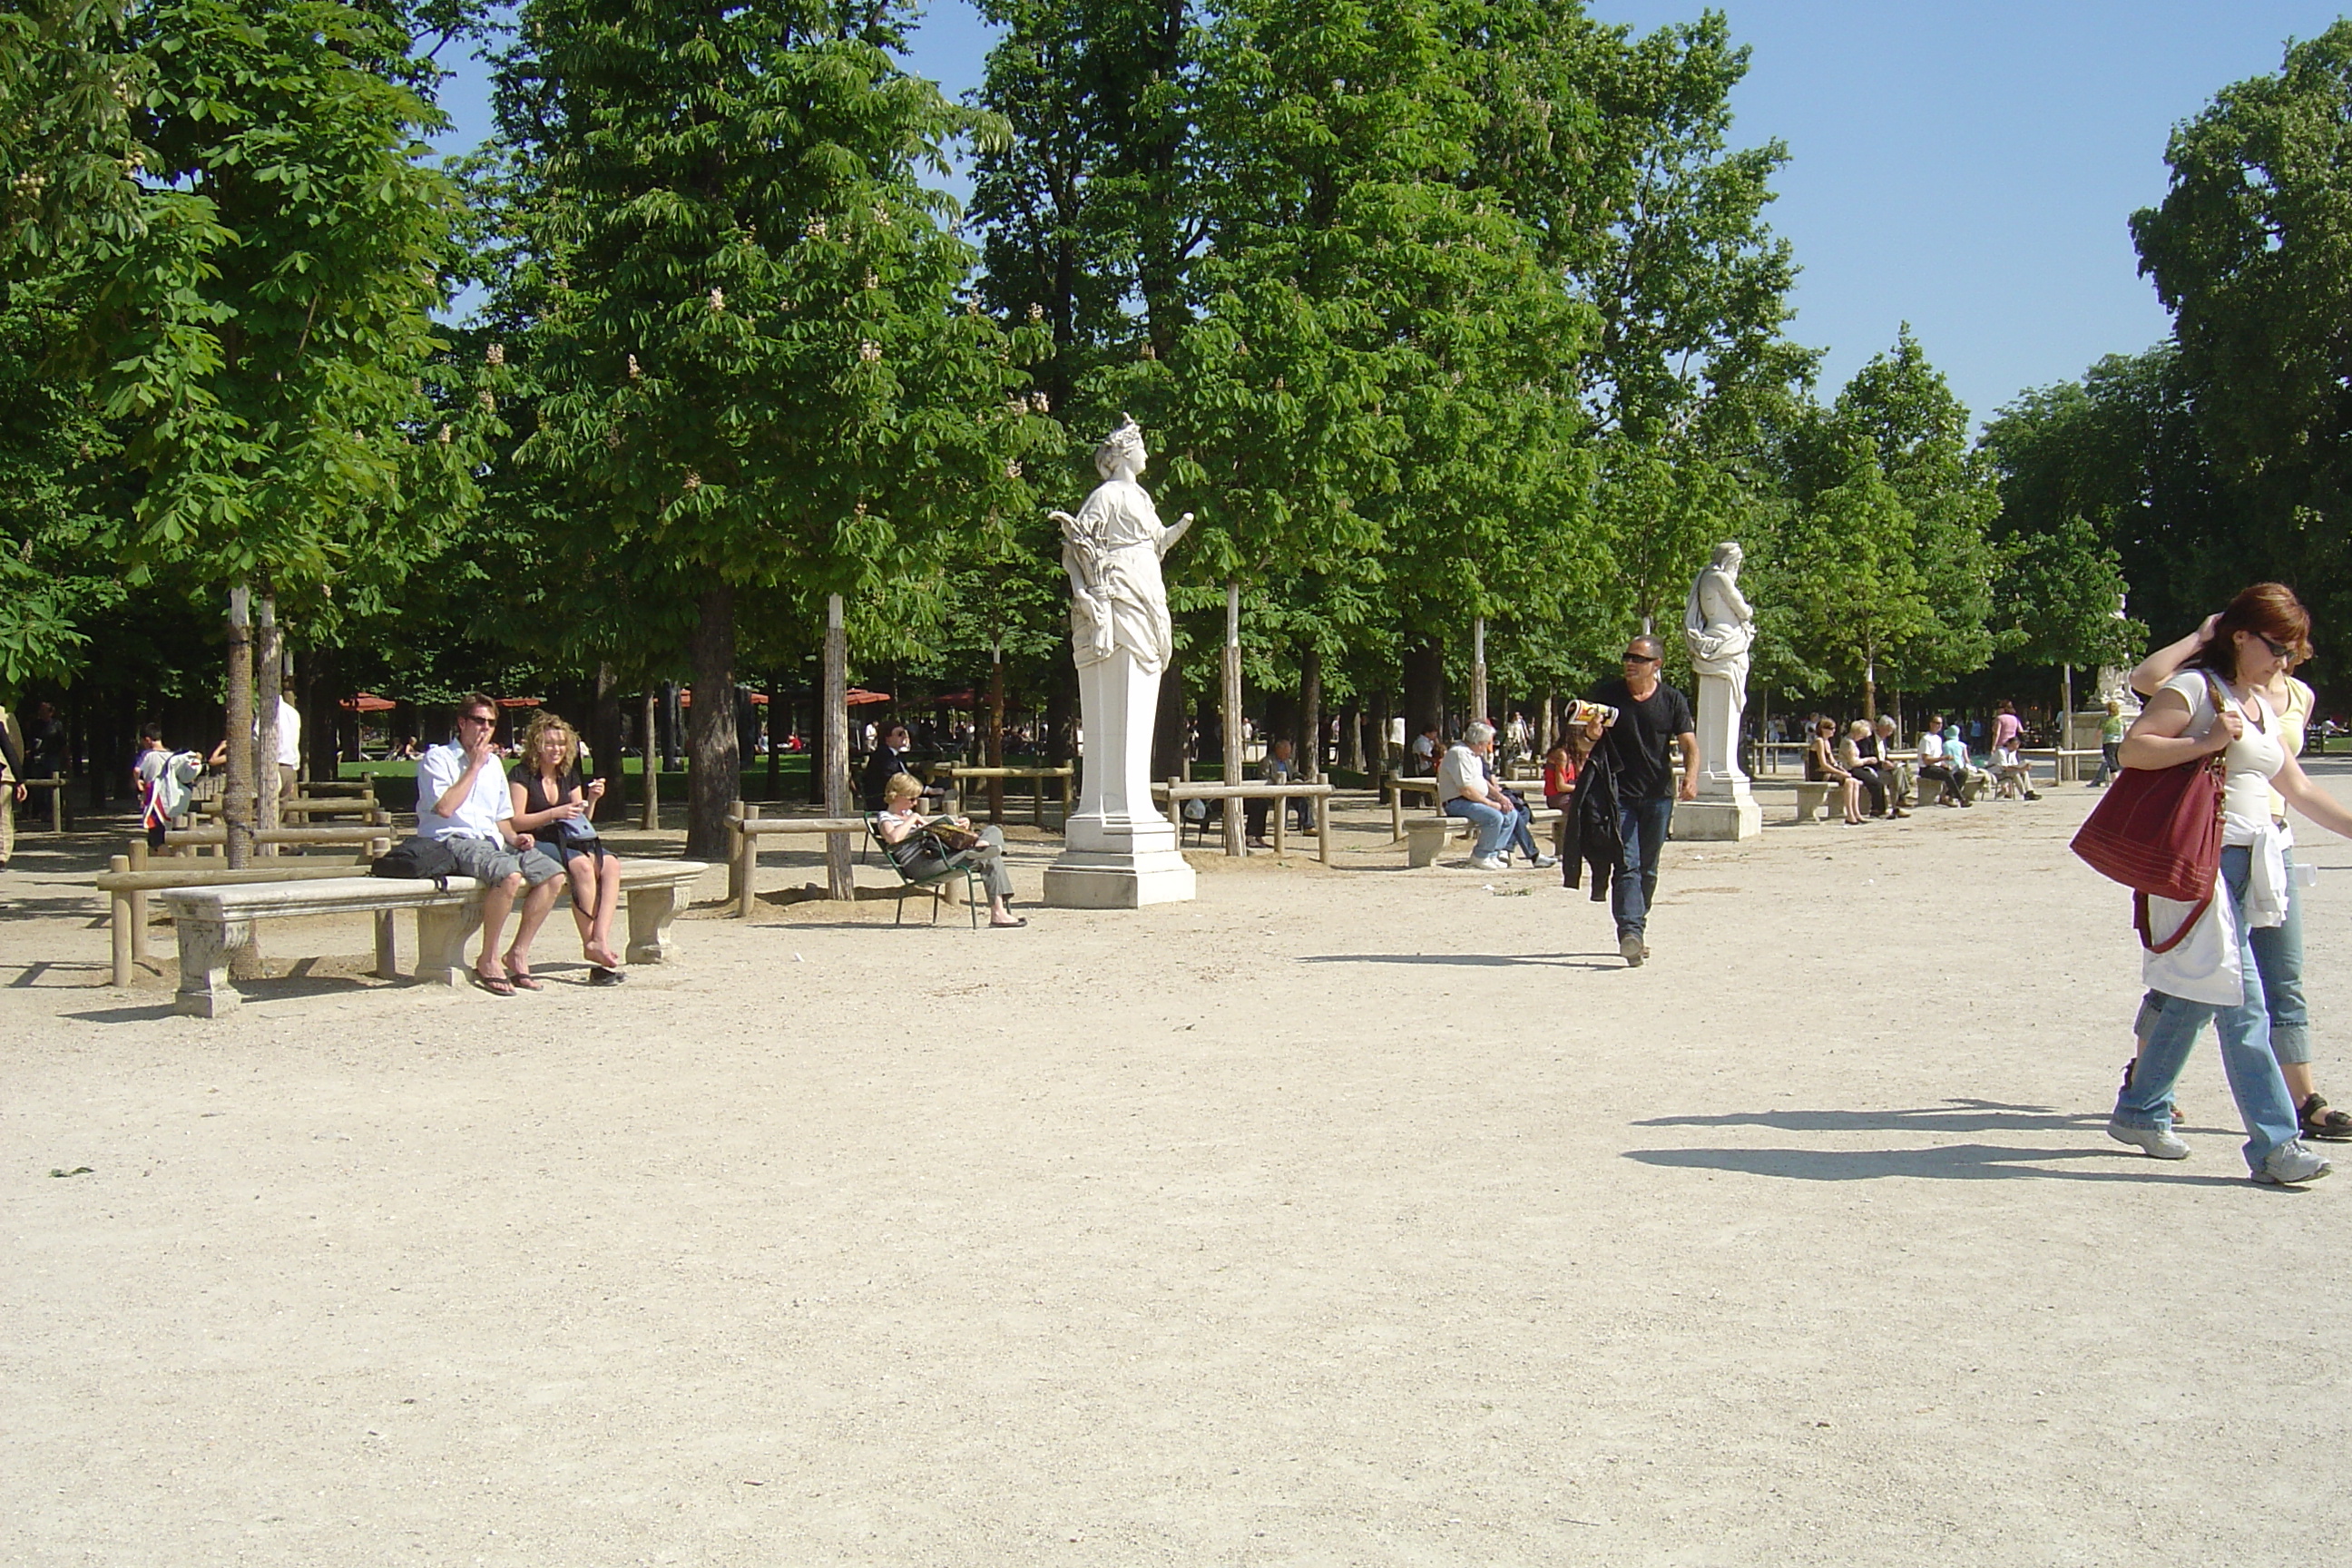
column 2217, row 705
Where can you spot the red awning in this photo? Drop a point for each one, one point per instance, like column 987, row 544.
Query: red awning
column 520, row 701
column 858, row 697
column 369, row 702
column 953, row 699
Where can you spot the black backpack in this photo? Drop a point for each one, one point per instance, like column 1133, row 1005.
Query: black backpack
column 426, row 859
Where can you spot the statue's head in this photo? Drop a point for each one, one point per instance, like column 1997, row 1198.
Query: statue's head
column 1124, row 444
column 1728, row 555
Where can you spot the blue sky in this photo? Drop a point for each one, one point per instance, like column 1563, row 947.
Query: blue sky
column 1969, row 168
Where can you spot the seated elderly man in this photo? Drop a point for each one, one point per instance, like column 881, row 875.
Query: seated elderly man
column 462, row 804
column 1932, row 767
column 1466, row 789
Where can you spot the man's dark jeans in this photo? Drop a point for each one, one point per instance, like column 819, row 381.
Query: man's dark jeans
column 1643, row 824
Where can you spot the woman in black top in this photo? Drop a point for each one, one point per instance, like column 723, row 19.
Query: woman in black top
column 554, row 803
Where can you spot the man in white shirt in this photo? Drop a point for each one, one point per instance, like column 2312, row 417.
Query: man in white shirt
column 1465, row 789
column 1933, row 767
column 464, row 804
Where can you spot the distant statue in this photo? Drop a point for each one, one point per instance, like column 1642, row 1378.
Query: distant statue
column 1721, row 631
column 1111, row 551
column 1716, row 620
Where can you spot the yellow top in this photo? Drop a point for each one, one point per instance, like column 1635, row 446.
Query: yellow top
column 2293, row 715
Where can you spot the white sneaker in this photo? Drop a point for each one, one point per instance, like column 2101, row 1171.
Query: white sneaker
column 1545, row 862
column 1488, row 863
column 2159, row 1141
column 2290, row 1165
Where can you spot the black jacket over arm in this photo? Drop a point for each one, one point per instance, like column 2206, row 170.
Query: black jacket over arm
column 1594, row 838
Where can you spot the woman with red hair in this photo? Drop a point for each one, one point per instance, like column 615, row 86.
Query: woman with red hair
column 2208, row 969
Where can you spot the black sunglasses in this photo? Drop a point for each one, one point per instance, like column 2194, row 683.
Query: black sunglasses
column 2278, row 649
column 1641, row 658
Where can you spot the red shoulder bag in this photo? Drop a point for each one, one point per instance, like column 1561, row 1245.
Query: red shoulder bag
column 2159, row 832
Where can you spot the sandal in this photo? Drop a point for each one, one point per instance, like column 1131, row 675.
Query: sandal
column 2320, row 1122
column 496, row 984
column 600, row 976
column 524, row 977
column 1006, row 925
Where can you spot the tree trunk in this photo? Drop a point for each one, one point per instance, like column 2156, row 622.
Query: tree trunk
column 1060, row 740
column 1352, row 735
column 649, row 817
column 1550, row 703
column 775, row 790
column 714, row 778
column 604, row 741
column 1310, row 715
column 269, row 671
column 1168, row 737
column 1424, row 690
column 237, row 803
column 1229, row 715
column 836, row 746
column 321, row 708
column 1870, row 688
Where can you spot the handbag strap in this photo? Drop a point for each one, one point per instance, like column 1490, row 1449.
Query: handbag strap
column 2140, row 923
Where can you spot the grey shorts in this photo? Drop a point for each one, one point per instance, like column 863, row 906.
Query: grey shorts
column 494, row 863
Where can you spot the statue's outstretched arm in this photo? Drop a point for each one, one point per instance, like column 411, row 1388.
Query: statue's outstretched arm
column 1169, row 535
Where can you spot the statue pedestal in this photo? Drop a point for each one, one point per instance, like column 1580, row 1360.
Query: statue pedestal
column 1726, row 810
column 1120, row 853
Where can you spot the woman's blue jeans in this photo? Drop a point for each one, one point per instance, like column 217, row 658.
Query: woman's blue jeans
column 2263, row 1104
column 2278, row 954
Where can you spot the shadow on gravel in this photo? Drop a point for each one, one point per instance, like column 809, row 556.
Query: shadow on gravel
column 1952, row 1116
column 1478, row 959
column 1961, row 1162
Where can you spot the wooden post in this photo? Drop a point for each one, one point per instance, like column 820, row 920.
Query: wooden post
column 1323, row 828
column 995, row 752
column 649, row 815
column 839, row 879
column 237, row 803
column 58, row 809
column 138, row 859
column 1230, row 710
column 2065, row 721
column 746, row 860
column 269, row 684
column 1478, row 670
column 1396, row 807
column 1281, row 804
column 119, row 864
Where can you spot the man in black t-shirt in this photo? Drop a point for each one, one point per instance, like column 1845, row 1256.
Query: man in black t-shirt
column 1653, row 721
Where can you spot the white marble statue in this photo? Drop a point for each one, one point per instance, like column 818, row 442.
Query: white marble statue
column 1111, row 551
column 1720, row 628
column 1717, row 622
column 1121, row 852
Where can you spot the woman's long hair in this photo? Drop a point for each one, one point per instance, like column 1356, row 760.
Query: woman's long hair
column 543, row 723
column 2268, row 610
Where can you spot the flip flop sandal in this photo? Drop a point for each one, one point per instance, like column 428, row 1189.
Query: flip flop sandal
column 496, row 984
column 600, row 976
column 525, row 978
column 1006, row 925
column 2320, row 1122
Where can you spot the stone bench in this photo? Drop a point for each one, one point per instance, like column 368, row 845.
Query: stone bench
column 215, row 922
column 1425, row 835
column 1813, row 798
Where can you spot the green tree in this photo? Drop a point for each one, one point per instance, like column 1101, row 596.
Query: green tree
column 258, row 327
column 740, row 298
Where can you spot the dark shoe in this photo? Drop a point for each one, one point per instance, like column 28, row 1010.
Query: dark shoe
column 2320, row 1122
column 600, row 976
column 1632, row 949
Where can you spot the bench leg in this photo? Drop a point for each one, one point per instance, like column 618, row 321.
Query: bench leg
column 441, row 936
column 1421, row 846
column 650, row 911
column 204, row 947
column 387, row 947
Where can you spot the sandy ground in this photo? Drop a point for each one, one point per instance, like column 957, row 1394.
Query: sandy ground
column 1355, row 1216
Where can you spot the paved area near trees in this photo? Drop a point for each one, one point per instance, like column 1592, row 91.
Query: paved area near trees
column 1345, row 1215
